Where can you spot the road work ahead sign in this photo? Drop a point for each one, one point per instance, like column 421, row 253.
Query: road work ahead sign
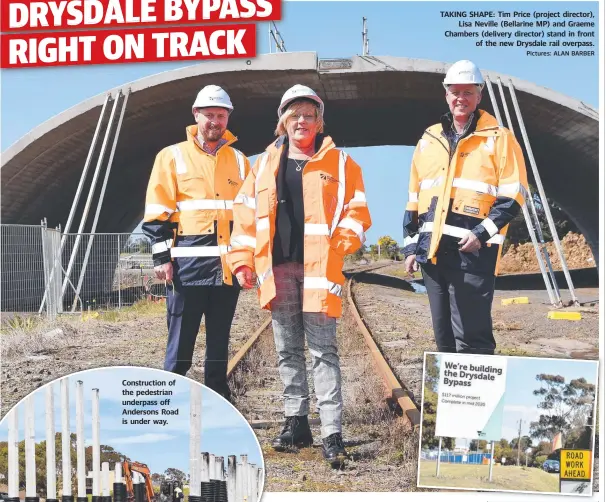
column 575, row 464
column 471, row 395
column 575, row 472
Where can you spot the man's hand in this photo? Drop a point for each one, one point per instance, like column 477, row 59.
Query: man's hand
column 164, row 272
column 411, row 264
column 245, row 277
column 470, row 243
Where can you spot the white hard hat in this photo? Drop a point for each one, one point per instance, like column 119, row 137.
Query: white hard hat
column 463, row 72
column 297, row 92
column 212, row 95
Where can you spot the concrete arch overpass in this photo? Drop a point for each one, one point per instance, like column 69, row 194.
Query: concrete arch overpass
column 370, row 101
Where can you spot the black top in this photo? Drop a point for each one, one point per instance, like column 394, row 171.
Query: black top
column 290, row 216
column 450, row 133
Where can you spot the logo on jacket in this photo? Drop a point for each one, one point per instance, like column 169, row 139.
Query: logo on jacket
column 464, row 154
column 471, row 210
column 329, row 178
column 232, row 182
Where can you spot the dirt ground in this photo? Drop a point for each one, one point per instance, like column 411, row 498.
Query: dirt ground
column 384, row 454
column 577, row 254
column 34, row 354
column 383, row 451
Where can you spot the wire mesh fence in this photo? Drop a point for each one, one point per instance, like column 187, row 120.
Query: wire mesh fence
column 22, row 269
column 455, row 457
column 44, row 270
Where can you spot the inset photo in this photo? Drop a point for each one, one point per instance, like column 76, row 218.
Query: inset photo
column 128, row 434
column 516, row 424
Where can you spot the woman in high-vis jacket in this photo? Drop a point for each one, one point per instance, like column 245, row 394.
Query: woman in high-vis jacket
column 300, row 211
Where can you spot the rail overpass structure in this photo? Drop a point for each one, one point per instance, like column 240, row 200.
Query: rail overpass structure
column 370, row 101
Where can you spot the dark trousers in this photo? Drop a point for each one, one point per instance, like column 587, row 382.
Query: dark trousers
column 185, row 307
column 460, row 305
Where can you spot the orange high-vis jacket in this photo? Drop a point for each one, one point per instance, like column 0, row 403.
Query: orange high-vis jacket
column 336, row 219
column 478, row 187
column 189, row 208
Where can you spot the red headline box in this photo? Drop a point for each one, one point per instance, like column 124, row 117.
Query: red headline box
column 26, row 15
column 190, row 43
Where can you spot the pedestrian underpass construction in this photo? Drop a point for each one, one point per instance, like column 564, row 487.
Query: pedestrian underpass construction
column 210, row 479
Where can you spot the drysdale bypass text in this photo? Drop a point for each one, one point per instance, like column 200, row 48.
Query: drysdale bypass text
column 122, row 46
column 462, row 375
column 66, row 14
column 119, row 31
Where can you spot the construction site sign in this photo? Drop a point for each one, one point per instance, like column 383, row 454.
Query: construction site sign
column 471, row 393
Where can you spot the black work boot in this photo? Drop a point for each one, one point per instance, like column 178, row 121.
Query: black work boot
column 333, row 449
column 296, row 433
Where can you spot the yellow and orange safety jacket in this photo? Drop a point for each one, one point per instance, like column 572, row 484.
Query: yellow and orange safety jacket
column 336, row 219
column 478, row 186
column 189, row 208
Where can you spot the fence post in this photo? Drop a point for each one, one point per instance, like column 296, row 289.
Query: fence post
column 45, row 256
column 119, row 276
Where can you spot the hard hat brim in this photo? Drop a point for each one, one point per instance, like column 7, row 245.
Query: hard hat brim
column 214, row 105
column 286, row 103
column 447, row 85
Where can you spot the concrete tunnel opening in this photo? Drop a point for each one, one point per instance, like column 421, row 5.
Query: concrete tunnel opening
column 42, row 170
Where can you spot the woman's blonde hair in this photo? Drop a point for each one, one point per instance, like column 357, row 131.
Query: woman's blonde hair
column 293, row 108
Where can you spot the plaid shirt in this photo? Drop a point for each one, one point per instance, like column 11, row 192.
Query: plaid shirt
column 207, row 149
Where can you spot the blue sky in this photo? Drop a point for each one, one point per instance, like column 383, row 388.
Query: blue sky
column 224, row 431
column 332, row 29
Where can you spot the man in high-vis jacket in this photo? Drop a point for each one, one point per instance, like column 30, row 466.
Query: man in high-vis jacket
column 188, row 217
column 467, row 182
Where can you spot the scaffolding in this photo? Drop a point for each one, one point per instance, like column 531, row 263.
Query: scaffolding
column 528, row 208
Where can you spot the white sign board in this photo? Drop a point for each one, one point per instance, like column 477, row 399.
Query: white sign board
column 471, row 394
column 575, row 487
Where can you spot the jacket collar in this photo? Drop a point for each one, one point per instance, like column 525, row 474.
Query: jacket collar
column 324, row 144
column 192, row 133
column 481, row 123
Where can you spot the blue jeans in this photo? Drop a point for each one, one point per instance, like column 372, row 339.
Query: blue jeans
column 291, row 325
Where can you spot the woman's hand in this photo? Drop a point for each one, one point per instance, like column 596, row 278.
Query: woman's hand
column 245, row 277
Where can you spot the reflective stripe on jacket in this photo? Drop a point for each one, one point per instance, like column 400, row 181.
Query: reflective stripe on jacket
column 336, row 219
column 189, row 208
column 479, row 187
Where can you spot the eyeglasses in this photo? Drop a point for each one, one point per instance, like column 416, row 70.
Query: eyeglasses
column 307, row 117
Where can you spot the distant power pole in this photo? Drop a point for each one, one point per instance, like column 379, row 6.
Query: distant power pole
column 519, row 440
column 364, row 38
